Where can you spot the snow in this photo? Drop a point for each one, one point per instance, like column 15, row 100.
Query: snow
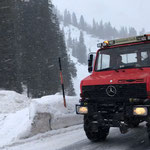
column 43, row 114
column 52, row 140
column 82, row 72
column 12, row 126
column 74, row 138
column 90, row 41
column 11, row 101
column 60, row 116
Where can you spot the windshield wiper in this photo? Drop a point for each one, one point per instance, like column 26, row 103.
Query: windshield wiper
column 125, row 67
column 133, row 66
column 106, row 69
column 110, row 69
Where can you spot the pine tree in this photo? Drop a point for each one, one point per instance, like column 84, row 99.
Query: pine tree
column 74, row 20
column 30, row 46
column 142, row 32
column 81, row 50
column 67, row 17
column 74, row 47
column 9, row 47
column 132, row 31
column 94, row 27
column 82, row 23
column 101, row 30
column 123, row 32
column 57, row 12
column 69, row 40
column 115, row 33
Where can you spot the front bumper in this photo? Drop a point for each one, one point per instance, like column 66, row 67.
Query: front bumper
column 113, row 118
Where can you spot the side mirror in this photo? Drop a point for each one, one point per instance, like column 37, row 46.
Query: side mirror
column 91, row 59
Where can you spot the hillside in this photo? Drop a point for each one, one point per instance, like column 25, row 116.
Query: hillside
column 91, row 44
column 90, row 41
column 119, row 13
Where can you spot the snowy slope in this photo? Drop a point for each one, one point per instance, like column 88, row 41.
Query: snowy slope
column 43, row 114
column 119, row 13
column 90, row 41
column 91, row 45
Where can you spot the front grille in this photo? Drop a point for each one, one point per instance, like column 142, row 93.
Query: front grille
column 108, row 114
column 107, row 108
column 122, row 91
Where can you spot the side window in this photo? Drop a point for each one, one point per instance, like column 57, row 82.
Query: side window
column 103, row 61
column 106, row 61
column 145, row 60
column 98, row 67
column 144, row 55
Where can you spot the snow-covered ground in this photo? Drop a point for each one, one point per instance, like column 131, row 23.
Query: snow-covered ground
column 11, row 101
column 42, row 115
column 52, row 140
column 73, row 138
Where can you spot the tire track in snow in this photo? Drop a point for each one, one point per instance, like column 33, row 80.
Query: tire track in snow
column 135, row 139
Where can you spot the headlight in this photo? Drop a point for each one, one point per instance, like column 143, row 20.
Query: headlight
column 140, row 111
column 82, row 110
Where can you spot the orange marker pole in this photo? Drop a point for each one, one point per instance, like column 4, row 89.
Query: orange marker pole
column 62, row 83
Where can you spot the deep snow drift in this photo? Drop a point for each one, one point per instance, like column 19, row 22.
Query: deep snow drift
column 11, row 101
column 44, row 114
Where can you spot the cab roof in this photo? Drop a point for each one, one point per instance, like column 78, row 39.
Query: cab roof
column 122, row 41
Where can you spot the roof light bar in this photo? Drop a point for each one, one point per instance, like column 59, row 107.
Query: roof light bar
column 124, row 41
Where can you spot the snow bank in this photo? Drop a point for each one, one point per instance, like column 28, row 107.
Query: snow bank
column 50, row 111
column 11, row 101
column 14, row 126
column 44, row 114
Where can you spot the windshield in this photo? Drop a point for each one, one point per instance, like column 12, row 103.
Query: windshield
column 134, row 56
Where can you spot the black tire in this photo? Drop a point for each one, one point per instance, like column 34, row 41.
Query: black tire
column 98, row 135
column 133, row 123
column 148, row 130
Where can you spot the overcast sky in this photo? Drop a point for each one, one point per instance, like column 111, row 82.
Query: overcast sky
column 119, row 12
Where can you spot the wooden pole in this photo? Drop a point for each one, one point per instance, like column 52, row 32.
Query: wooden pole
column 62, row 83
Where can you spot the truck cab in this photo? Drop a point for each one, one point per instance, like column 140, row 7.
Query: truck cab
column 117, row 92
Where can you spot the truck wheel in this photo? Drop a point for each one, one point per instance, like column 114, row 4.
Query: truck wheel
column 133, row 123
column 148, row 130
column 99, row 134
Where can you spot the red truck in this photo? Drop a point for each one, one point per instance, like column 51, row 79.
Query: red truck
column 117, row 92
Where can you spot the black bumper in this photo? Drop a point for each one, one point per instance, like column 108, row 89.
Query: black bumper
column 112, row 117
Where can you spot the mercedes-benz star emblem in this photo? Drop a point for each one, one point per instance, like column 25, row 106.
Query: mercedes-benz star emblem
column 111, row 91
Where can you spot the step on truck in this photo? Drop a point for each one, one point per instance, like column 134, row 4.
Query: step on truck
column 117, row 92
